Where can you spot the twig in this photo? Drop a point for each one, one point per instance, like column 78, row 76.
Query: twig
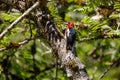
column 59, row 32
column 18, row 20
column 19, row 44
column 25, row 41
column 46, row 47
column 98, row 37
column 108, row 69
column 2, row 49
column 86, row 39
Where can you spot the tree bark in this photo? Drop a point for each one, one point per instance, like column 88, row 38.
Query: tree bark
column 75, row 70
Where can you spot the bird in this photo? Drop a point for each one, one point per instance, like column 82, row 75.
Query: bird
column 70, row 33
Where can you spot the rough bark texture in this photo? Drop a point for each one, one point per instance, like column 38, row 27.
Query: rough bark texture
column 75, row 70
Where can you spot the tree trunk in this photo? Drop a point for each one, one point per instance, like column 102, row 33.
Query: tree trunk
column 75, row 70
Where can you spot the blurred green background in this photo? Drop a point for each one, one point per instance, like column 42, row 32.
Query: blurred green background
column 35, row 61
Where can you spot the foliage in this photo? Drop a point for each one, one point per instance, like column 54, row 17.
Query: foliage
column 98, row 54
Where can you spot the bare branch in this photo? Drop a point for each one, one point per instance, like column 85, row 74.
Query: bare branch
column 18, row 20
column 17, row 45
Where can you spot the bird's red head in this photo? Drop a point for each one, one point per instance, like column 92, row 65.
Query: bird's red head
column 70, row 24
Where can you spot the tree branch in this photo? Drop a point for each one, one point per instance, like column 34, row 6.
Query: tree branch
column 16, row 45
column 18, row 20
column 86, row 39
column 98, row 37
column 116, row 62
